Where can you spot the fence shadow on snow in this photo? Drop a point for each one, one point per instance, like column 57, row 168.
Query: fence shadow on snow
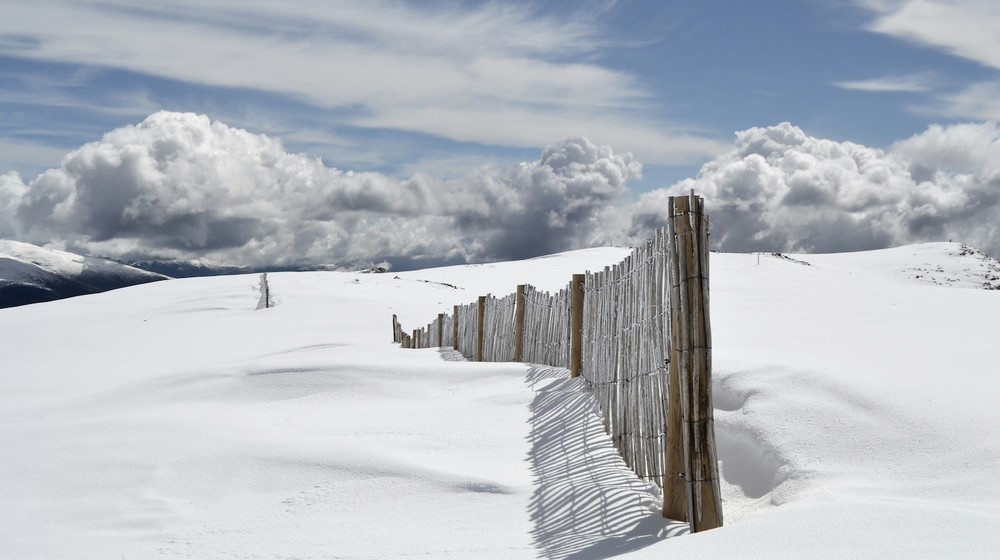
column 585, row 504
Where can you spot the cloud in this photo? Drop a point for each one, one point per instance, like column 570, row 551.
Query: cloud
column 909, row 83
column 980, row 101
column 11, row 192
column 962, row 28
column 180, row 186
column 445, row 70
column 965, row 28
column 780, row 189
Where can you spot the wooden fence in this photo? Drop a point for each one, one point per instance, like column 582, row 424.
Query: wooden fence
column 639, row 334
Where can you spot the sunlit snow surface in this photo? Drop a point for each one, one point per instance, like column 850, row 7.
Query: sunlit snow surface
column 856, row 411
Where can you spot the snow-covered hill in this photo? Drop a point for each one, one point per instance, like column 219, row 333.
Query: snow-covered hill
column 856, row 410
column 32, row 274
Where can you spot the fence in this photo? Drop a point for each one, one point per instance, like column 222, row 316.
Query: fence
column 639, row 334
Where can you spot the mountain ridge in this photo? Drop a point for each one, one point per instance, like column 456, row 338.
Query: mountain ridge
column 32, row 274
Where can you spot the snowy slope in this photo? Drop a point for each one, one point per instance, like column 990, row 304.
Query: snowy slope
column 855, row 405
column 32, row 274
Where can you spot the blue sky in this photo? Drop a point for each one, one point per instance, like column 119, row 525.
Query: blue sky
column 670, row 81
column 444, row 88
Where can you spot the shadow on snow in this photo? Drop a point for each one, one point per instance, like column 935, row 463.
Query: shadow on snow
column 586, row 503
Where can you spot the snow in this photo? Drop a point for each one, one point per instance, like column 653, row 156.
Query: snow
column 856, row 413
column 58, row 262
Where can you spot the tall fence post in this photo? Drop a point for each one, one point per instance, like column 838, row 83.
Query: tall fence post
column 576, row 325
column 692, row 476
column 454, row 328
column 519, row 323
column 480, row 324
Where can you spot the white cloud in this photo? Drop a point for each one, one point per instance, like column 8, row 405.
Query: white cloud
column 180, row 186
column 909, row 83
column 782, row 190
column 965, row 28
column 979, row 101
column 11, row 192
column 438, row 69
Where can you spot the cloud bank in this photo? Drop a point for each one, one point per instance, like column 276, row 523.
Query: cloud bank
column 179, row 186
column 783, row 190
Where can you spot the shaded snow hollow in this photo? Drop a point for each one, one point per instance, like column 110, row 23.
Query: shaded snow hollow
column 855, row 412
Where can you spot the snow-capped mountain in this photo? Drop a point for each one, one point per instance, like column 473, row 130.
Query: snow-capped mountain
column 32, row 274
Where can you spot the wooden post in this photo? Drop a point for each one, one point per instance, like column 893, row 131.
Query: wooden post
column 416, row 338
column 519, row 323
column 691, row 485
column 267, row 290
column 480, row 323
column 576, row 325
column 675, row 488
column 454, row 328
column 440, row 329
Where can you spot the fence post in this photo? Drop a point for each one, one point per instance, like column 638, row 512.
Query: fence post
column 454, row 328
column 267, row 291
column 480, row 323
column 576, row 325
column 690, row 380
column 519, row 323
column 440, row 329
column 416, row 338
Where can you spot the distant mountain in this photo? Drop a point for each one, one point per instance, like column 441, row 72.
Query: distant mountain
column 32, row 274
column 187, row 269
column 191, row 269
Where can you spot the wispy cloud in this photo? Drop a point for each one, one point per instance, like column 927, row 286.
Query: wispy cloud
column 446, row 71
column 965, row 28
column 908, row 83
column 979, row 101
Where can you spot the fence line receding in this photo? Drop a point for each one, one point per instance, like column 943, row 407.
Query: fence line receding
column 639, row 334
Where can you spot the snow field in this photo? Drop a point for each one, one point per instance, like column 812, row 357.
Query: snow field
column 855, row 412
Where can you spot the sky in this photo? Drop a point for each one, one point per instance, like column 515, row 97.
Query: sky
column 432, row 132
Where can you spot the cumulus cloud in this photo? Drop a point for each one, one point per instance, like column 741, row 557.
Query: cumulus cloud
column 180, row 186
column 783, row 190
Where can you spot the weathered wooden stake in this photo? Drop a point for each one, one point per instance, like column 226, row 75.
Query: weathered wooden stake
column 576, row 325
column 454, row 328
column 440, row 329
column 519, row 323
column 480, row 323
column 691, row 486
